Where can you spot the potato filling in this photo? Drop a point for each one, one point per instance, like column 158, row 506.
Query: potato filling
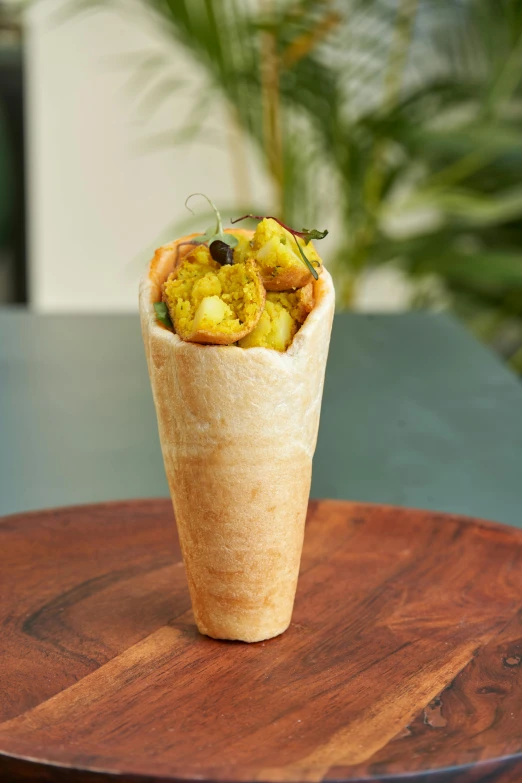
column 283, row 315
column 275, row 250
column 257, row 296
column 208, row 301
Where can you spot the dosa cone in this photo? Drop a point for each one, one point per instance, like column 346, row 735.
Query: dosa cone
column 238, row 429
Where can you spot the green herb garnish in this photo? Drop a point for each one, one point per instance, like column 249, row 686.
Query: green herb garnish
column 311, row 233
column 162, row 314
column 307, row 234
column 213, row 232
column 306, row 260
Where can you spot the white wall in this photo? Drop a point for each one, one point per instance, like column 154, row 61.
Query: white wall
column 96, row 200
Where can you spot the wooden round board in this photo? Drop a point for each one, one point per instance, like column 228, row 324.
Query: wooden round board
column 402, row 663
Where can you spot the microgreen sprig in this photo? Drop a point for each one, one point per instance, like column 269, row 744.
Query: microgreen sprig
column 213, row 232
column 306, row 234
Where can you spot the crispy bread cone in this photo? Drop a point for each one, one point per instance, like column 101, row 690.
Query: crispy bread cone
column 238, row 429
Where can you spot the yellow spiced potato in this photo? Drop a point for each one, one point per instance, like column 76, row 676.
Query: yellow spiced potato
column 209, row 303
column 280, row 263
column 243, row 249
column 283, row 315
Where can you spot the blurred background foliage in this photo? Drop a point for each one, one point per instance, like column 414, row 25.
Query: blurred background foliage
column 396, row 123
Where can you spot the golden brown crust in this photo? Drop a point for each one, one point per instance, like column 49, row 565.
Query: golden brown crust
column 211, row 338
column 291, row 278
column 238, row 430
column 306, row 300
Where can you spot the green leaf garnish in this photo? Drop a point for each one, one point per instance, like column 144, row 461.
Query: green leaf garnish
column 312, row 233
column 162, row 314
column 306, row 233
column 213, row 232
column 307, row 262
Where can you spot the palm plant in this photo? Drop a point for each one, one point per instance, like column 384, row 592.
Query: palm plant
column 399, row 117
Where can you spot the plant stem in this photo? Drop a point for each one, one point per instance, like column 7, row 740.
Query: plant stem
column 304, row 44
column 374, row 178
column 399, row 48
column 272, row 134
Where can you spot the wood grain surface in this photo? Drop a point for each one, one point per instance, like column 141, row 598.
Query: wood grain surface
column 403, row 661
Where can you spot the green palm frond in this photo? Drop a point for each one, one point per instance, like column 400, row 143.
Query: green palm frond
column 373, row 111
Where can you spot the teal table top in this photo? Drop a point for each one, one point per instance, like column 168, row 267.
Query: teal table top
column 415, row 413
